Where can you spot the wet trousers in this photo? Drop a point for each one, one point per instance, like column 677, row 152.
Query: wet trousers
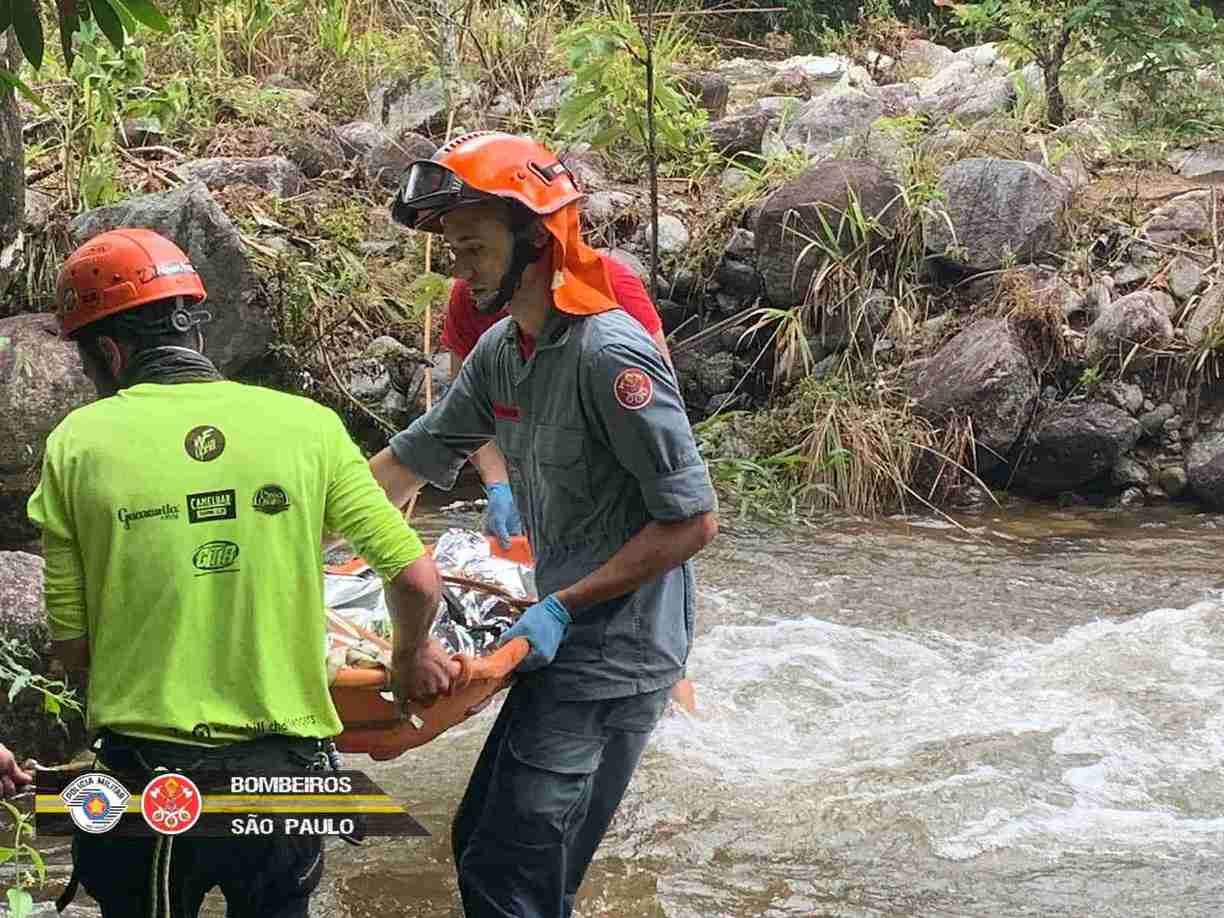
column 541, row 797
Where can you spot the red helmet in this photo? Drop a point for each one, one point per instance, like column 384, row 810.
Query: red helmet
column 477, row 166
column 120, row 270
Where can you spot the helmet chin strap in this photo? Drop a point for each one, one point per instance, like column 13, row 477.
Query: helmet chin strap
column 522, row 255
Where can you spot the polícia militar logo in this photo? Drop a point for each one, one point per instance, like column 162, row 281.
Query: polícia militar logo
column 95, row 802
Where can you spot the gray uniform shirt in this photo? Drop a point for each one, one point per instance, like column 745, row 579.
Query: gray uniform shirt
column 597, row 445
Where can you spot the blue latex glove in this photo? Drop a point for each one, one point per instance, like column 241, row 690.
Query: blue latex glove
column 501, row 517
column 544, row 625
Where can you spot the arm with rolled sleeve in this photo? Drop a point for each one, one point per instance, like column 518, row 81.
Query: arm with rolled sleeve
column 435, row 446
column 655, row 444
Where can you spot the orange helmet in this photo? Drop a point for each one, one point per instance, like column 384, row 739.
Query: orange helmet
column 477, row 166
column 120, row 270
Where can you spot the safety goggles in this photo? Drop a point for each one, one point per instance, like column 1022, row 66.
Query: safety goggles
column 428, row 186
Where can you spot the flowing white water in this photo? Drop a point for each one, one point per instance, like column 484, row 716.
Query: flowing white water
column 908, row 721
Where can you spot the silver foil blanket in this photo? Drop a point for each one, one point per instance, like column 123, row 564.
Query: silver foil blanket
column 469, row 621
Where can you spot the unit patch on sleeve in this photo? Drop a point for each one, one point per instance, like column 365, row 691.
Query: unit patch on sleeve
column 633, row 388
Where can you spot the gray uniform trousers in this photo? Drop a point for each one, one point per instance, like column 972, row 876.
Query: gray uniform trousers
column 541, row 797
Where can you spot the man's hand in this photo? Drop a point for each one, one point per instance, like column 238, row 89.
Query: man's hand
column 502, row 518
column 421, row 675
column 12, row 778
column 543, row 625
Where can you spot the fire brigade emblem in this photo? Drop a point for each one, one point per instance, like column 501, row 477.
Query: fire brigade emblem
column 633, row 389
column 171, row 804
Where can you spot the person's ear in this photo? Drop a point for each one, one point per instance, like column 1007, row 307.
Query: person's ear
column 540, row 236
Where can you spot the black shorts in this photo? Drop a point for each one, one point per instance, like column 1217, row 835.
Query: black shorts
column 260, row 876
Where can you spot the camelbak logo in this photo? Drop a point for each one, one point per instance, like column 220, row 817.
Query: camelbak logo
column 211, row 505
column 204, row 444
column 215, row 558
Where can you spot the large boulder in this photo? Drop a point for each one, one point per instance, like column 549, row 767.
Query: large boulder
column 832, row 117
column 1206, row 317
column 1073, row 444
column 189, row 216
column 403, row 104
column 709, row 89
column 1205, row 163
column 983, row 373
column 994, row 211
column 744, row 131
column 24, row 725
column 1185, row 218
column 387, row 159
column 357, row 138
column 1205, row 469
column 798, row 211
column 1139, row 318
column 270, row 173
column 41, row 380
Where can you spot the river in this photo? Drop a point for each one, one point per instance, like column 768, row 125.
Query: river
column 1023, row 717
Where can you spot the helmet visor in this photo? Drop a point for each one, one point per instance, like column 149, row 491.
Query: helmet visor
column 428, row 186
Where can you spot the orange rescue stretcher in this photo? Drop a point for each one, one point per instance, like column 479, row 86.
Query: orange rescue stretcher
column 375, row 725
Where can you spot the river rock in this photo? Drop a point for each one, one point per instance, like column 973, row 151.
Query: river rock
column 972, row 101
column 1130, row 472
column 673, row 235
column 1072, row 444
column 921, row 59
column 357, row 138
column 998, row 210
column 403, row 104
column 743, row 131
column 271, row 173
column 794, row 212
column 739, row 281
column 38, row 210
column 548, row 96
column 1206, row 163
column 1185, row 277
column 386, row 161
column 616, row 209
column 240, row 329
column 312, row 153
column 898, row 99
column 983, row 373
column 832, row 117
column 1206, row 316
column 1173, row 480
column 1138, row 318
column 1185, row 218
column 41, row 381
column 709, row 89
column 1205, row 469
column 24, row 726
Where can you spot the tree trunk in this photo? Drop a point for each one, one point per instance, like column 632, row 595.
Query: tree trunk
column 12, row 174
column 1051, row 69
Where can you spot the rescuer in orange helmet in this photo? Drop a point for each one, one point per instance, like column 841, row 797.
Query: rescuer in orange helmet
column 614, row 497
column 181, row 520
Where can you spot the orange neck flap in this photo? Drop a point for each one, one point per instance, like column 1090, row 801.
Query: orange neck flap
column 580, row 280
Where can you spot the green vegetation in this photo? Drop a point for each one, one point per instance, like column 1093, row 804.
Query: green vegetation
column 112, row 111
column 1149, row 46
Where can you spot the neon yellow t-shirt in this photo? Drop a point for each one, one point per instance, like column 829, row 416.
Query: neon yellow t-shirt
column 182, row 526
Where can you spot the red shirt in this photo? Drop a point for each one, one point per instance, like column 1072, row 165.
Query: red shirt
column 465, row 324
